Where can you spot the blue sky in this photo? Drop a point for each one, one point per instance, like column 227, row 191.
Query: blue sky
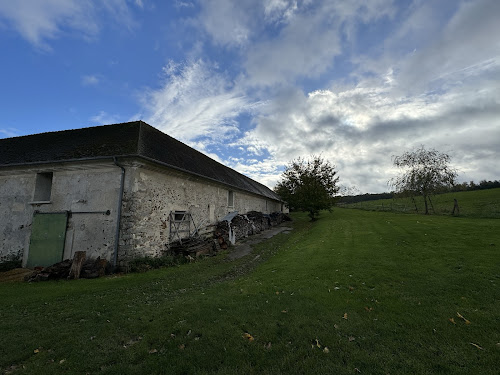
column 255, row 83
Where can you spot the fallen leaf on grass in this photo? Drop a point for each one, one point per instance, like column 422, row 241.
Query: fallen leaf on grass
column 351, row 338
column 318, row 344
column 368, row 309
column 326, row 350
column 62, row 361
column 284, row 311
column 36, row 351
column 461, row 317
column 152, row 351
column 267, row 346
column 248, row 336
column 477, row 346
column 452, row 320
column 182, row 346
column 336, row 326
column 345, row 316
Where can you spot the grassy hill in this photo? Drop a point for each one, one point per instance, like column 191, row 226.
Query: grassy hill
column 478, row 203
column 354, row 292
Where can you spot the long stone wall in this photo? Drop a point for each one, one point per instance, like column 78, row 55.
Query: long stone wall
column 152, row 193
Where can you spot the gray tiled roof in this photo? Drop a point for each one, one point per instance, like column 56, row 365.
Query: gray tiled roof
column 128, row 139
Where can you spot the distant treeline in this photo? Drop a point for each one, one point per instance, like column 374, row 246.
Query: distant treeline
column 465, row 186
column 468, row 186
column 364, row 197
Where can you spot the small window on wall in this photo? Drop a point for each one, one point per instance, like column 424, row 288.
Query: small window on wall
column 180, row 216
column 230, row 198
column 43, row 187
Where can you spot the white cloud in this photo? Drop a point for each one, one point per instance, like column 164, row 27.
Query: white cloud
column 183, row 4
column 309, row 41
column 428, row 52
column 228, row 22
column 445, row 95
column 195, row 101
column 8, row 132
column 360, row 127
column 37, row 20
column 90, row 80
column 41, row 20
column 435, row 81
column 104, row 118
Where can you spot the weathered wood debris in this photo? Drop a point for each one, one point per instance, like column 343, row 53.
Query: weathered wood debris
column 75, row 268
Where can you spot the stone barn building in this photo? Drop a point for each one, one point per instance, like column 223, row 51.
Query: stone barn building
column 115, row 191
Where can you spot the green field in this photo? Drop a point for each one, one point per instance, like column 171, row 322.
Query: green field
column 354, row 292
column 478, row 203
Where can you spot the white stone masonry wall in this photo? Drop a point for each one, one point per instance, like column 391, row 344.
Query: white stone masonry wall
column 75, row 187
column 152, row 193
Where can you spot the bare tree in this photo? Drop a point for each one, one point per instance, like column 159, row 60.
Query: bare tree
column 424, row 173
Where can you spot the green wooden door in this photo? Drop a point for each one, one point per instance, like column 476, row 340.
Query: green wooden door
column 48, row 233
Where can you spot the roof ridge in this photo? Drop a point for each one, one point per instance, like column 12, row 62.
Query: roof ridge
column 71, row 130
column 133, row 138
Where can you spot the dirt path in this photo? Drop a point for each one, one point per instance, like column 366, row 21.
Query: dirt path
column 244, row 247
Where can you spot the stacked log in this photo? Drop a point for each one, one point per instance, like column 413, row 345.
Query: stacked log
column 221, row 235
column 241, row 226
column 79, row 267
column 193, row 247
column 259, row 220
column 278, row 218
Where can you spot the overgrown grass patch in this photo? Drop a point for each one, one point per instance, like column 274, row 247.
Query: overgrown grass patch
column 146, row 263
column 377, row 289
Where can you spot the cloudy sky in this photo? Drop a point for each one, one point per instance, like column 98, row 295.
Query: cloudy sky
column 257, row 83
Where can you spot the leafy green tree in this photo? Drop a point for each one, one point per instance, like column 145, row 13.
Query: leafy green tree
column 308, row 185
column 425, row 172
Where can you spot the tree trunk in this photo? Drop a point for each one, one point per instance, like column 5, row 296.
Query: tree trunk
column 77, row 264
column 455, row 207
column 432, row 205
column 414, row 203
column 426, row 207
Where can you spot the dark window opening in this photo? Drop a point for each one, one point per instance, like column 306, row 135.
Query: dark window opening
column 230, row 198
column 180, row 216
column 43, row 187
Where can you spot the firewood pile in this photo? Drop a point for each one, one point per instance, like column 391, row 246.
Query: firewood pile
column 193, row 246
column 78, row 267
column 241, row 226
column 278, row 218
column 221, row 235
column 260, row 221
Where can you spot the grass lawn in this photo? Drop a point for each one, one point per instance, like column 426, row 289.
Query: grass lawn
column 477, row 203
column 354, row 292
